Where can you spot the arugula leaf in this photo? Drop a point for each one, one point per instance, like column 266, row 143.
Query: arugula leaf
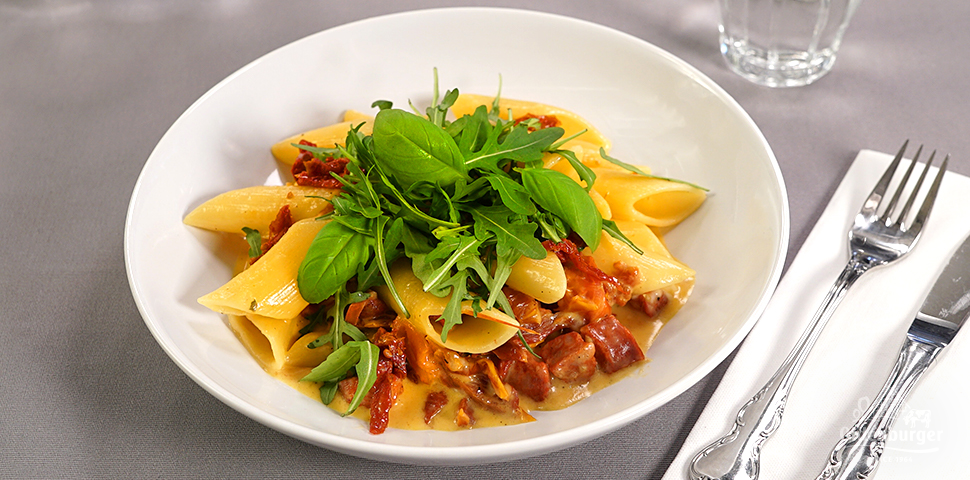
column 360, row 355
column 634, row 169
column 511, row 235
column 328, row 391
column 451, row 315
column 382, row 104
column 255, row 242
column 563, row 197
column 331, row 261
column 585, row 173
column 384, row 243
column 461, row 246
column 471, row 131
column 335, row 365
column 413, row 149
column 513, row 194
column 609, row 226
column 519, row 145
column 366, row 373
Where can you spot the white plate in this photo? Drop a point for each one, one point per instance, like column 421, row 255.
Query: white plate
column 658, row 111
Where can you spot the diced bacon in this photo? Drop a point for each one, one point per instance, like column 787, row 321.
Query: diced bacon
column 523, row 371
column 537, row 322
column 433, row 405
column 569, row 357
column 616, row 346
column 370, row 313
column 651, row 303
column 309, row 171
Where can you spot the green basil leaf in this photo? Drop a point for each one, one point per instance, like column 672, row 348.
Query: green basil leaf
column 331, row 261
column 561, row 196
column 412, row 149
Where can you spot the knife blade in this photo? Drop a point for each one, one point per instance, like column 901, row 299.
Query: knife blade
column 937, row 322
column 947, row 305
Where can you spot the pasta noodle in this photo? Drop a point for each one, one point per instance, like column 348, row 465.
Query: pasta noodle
column 269, row 287
column 256, row 207
column 476, row 334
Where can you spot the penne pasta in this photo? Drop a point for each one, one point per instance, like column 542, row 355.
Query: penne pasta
column 648, row 200
column 328, row 137
column 569, row 121
column 268, row 287
column 655, row 269
column 256, row 207
column 479, row 333
column 544, row 280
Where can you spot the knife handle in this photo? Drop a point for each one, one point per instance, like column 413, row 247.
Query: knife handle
column 857, row 455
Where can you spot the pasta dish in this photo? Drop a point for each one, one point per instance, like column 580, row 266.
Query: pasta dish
column 427, row 270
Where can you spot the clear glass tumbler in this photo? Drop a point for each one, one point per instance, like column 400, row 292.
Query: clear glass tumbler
column 783, row 43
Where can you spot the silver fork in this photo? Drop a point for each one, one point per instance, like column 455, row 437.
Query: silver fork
column 874, row 239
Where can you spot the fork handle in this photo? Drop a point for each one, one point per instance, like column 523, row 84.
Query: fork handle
column 736, row 455
column 857, row 455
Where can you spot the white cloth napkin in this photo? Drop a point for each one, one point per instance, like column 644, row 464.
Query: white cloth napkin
column 853, row 356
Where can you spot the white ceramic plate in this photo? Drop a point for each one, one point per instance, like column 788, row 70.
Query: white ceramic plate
column 658, row 111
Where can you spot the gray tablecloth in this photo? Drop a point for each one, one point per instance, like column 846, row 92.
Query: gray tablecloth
column 87, row 89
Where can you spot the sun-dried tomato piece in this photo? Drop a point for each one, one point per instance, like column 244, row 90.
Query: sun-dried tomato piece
column 545, row 121
column 310, row 171
column 433, row 405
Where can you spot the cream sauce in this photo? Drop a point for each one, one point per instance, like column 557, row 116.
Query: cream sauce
column 408, row 410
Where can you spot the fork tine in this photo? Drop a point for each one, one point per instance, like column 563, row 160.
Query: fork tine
column 887, row 216
column 912, row 197
column 927, row 206
column 872, row 201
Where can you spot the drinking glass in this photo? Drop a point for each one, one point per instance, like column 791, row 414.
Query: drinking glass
column 783, row 43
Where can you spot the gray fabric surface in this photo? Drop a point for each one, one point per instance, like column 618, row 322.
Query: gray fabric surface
column 88, row 88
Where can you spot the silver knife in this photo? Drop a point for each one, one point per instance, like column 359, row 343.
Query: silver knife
column 945, row 309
